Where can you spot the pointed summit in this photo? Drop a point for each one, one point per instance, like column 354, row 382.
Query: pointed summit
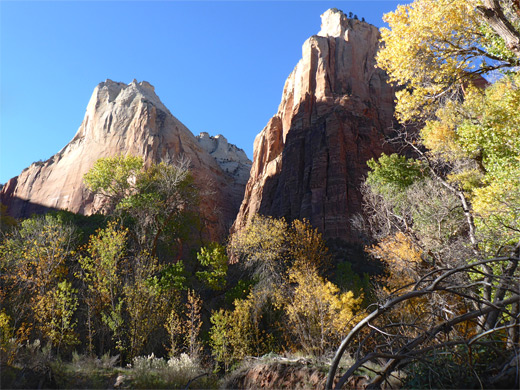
column 333, row 23
column 336, row 108
column 121, row 119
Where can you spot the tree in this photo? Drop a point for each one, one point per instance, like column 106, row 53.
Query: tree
column 480, row 137
column 503, row 17
column 319, row 315
column 152, row 201
column 6, row 221
column 439, row 329
column 238, row 333
column 193, row 324
column 434, row 48
column 114, row 177
column 174, row 327
column 286, row 261
column 306, row 246
column 262, row 246
column 57, row 308
column 35, row 259
column 214, row 257
column 146, row 304
column 219, row 340
column 102, row 272
column 448, row 233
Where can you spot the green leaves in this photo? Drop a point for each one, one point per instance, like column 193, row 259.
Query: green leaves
column 392, row 175
column 102, row 267
column 215, row 258
column 114, row 177
column 395, row 172
column 152, row 200
column 171, row 277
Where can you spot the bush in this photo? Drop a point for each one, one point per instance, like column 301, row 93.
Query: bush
column 150, row 372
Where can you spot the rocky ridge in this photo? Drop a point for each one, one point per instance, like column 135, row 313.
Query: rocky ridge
column 124, row 119
column 335, row 112
column 232, row 160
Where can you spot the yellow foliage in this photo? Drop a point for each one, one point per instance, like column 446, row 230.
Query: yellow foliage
column 193, row 324
column 262, row 239
column 236, row 334
column 306, row 245
column 183, row 325
column 480, row 136
column 440, row 135
column 319, row 314
column 174, row 327
column 34, row 257
column 402, row 259
column 287, row 261
column 55, row 311
column 429, row 49
column 6, row 339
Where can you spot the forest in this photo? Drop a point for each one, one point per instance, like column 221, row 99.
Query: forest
column 139, row 294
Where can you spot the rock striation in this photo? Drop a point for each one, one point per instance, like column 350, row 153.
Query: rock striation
column 335, row 112
column 125, row 119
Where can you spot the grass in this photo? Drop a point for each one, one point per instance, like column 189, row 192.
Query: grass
column 145, row 372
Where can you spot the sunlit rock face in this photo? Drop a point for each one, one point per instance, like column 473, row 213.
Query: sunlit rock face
column 123, row 119
column 232, row 160
column 336, row 109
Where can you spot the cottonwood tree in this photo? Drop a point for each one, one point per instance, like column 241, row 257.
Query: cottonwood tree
column 285, row 261
column 147, row 305
column 434, row 48
column 102, row 271
column 36, row 292
column 214, row 258
column 153, row 201
column 319, row 314
column 446, row 222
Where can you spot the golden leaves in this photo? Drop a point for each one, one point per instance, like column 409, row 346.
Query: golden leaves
column 429, row 49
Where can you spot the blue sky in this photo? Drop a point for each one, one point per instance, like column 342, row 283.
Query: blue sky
column 219, row 66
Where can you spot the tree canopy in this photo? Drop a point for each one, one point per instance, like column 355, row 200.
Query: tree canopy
column 444, row 215
column 433, row 49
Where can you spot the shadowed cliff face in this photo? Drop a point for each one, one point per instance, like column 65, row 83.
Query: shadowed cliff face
column 336, row 110
column 122, row 119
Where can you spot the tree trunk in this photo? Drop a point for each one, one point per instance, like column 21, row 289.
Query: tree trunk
column 492, row 13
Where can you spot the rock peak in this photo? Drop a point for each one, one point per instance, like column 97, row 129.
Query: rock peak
column 129, row 119
column 336, row 109
column 334, row 23
column 115, row 92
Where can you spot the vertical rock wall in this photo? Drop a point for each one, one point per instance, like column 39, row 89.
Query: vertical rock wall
column 336, row 110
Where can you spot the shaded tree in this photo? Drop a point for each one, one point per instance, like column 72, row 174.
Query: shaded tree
column 35, row 270
column 153, row 201
column 449, row 234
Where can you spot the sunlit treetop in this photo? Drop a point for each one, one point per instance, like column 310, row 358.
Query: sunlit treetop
column 434, row 48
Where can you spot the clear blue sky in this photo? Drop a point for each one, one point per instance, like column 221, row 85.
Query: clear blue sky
column 219, row 66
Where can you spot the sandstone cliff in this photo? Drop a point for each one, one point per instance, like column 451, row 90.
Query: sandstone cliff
column 336, row 110
column 232, row 160
column 128, row 120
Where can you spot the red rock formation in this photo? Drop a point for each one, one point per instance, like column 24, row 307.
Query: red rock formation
column 336, row 110
column 128, row 120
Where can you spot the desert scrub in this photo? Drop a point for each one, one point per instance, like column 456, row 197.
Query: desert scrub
column 148, row 372
column 86, row 372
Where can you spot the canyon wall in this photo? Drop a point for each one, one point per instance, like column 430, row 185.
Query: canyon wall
column 336, row 110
